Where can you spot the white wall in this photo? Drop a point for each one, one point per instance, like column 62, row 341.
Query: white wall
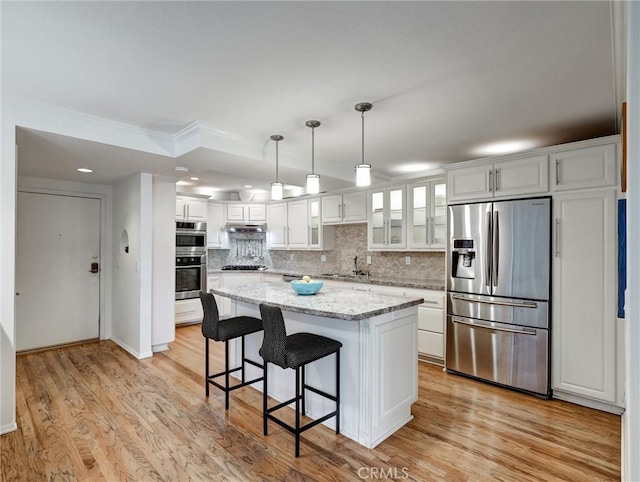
column 164, row 255
column 131, row 325
column 631, row 417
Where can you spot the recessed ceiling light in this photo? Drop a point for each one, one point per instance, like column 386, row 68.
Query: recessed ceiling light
column 84, row 169
column 248, row 186
column 195, row 178
column 506, row 147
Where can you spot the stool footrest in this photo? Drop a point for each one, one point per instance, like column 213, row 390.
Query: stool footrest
column 283, row 404
column 240, row 385
column 304, row 427
column 320, row 392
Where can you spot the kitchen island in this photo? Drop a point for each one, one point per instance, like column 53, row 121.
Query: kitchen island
column 379, row 372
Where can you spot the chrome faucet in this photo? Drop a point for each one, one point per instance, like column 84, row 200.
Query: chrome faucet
column 356, row 271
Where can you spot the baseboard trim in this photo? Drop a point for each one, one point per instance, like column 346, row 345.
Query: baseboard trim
column 586, row 402
column 8, row 428
column 130, row 350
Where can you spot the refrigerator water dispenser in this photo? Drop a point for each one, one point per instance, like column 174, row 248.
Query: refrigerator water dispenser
column 463, row 259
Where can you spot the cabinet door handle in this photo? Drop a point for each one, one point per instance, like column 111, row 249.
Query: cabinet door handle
column 433, row 230
column 490, row 180
column 557, row 237
column 496, row 174
column 557, row 171
column 344, row 210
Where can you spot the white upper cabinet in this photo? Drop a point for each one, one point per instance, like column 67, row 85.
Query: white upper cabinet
column 507, row 178
column 427, row 215
column 217, row 237
column 277, row 225
column 298, row 226
column 345, row 208
column 387, row 219
column 585, row 168
column 191, row 209
column 246, row 212
column 320, row 237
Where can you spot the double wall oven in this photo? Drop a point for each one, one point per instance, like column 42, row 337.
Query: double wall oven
column 191, row 259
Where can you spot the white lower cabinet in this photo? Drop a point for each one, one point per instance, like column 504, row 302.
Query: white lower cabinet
column 188, row 311
column 430, row 325
column 430, row 319
column 584, row 320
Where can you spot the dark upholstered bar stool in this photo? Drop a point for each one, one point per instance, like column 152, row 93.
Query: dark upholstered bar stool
column 224, row 330
column 295, row 351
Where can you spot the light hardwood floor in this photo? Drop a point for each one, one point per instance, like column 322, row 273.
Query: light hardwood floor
column 92, row 412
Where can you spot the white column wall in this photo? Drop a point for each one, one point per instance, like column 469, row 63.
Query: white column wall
column 7, row 271
column 631, row 417
column 131, row 326
column 164, row 255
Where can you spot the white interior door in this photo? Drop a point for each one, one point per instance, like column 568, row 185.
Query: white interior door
column 58, row 297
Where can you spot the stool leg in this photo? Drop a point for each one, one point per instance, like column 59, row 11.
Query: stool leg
column 264, row 399
column 226, row 374
column 297, row 412
column 304, row 411
column 242, row 360
column 338, row 391
column 206, row 366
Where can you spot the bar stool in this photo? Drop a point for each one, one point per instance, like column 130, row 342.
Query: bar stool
column 224, row 330
column 295, row 351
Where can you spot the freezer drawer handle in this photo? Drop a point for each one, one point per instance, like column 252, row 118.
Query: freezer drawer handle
column 524, row 304
column 493, row 328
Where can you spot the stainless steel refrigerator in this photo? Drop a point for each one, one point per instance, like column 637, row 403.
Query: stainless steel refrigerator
column 498, row 293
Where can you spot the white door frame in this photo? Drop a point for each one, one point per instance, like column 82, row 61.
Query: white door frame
column 105, row 253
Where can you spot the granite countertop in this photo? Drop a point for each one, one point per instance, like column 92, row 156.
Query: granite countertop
column 427, row 284
column 329, row 302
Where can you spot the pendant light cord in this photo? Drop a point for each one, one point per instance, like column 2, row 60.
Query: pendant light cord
column 277, row 160
column 313, row 137
column 362, row 116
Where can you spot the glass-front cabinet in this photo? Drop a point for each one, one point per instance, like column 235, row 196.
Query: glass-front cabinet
column 387, row 218
column 427, row 215
column 315, row 224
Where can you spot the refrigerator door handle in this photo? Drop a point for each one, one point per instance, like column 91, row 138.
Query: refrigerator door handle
column 461, row 321
column 496, row 246
column 487, row 264
column 523, row 304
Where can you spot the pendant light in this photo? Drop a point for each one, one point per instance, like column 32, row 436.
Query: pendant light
column 313, row 179
column 363, row 171
column 276, row 186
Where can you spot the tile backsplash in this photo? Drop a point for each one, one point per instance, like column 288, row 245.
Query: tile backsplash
column 351, row 241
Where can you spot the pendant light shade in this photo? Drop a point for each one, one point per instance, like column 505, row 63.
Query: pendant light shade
column 276, row 187
column 363, row 170
column 313, row 179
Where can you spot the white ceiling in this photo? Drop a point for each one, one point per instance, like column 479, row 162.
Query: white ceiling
column 445, row 78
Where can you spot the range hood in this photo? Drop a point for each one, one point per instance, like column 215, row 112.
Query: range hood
column 246, row 227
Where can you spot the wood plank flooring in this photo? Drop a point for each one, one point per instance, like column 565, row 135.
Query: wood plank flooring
column 92, row 412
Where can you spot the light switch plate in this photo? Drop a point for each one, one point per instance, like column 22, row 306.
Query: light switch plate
column 368, row 259
column 323, row 258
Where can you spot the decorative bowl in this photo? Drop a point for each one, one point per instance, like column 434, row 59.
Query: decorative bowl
column 304, row 288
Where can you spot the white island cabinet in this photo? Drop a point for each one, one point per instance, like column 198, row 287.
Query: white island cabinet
column 378, row 369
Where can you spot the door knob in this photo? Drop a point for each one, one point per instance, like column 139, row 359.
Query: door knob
column 95, row 268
